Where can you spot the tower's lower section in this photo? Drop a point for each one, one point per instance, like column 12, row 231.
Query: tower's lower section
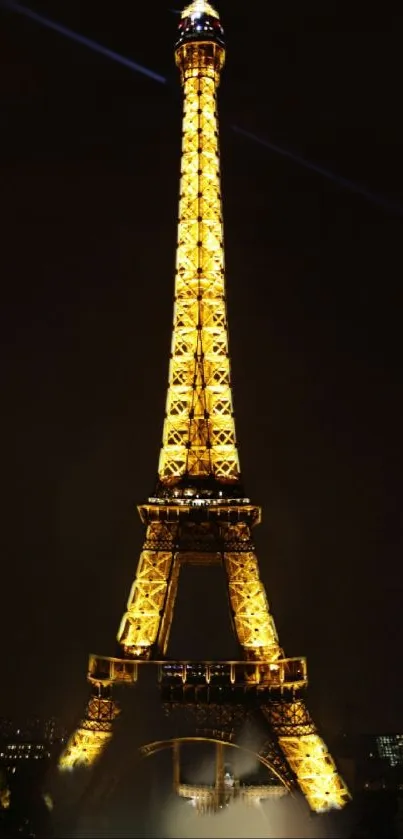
column 95, row 730
column 195, row 526
column 220, row 698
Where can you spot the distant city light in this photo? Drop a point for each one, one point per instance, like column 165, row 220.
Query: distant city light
column 390, row 747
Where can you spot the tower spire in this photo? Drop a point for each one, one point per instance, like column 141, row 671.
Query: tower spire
column 199, row 442
column 199, row 7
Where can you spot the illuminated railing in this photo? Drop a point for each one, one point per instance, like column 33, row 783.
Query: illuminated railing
column 197, row 501
column 262, row 675
column 233, row 510
column 208, row 795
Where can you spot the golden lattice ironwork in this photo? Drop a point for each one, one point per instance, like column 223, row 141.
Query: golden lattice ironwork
column 199, row 430
column 199, row 513
column 315, row 769
column 254, row 625
column 144, row 631
column 93, row 734
column 146, row 618
column 84, row 748
column 307, row 755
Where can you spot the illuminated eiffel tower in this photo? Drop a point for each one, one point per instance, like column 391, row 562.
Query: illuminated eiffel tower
column 199, row 513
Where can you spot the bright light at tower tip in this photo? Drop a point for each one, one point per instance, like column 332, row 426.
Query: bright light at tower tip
column 199, row 7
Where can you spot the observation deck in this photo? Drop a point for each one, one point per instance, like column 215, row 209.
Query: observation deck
column 180, row 510
column 205, row 681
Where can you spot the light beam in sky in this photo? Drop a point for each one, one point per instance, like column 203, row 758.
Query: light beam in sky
column 374, row 198
column 343, row 182
column 81, row 39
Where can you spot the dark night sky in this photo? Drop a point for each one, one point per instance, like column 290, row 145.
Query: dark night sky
column 89, row 169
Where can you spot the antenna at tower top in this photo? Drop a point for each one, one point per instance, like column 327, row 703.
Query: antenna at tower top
column 199, row 7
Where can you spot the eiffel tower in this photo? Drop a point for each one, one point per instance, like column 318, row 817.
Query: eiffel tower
column 199, row 512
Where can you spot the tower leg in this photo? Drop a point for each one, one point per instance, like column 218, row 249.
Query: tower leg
column 94, row 733
column 307, row 755
column 253, row 623
column 147, row 621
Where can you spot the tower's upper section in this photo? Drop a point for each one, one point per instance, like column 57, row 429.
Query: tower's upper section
column 199, row 453
column 200, row 47
column 200, row 22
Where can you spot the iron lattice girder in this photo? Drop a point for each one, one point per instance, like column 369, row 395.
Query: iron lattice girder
column 198, row 534
column 255, row 678
column 208, row 721
column 100, row 713
column 290, row 718
column 209, row 510
column 199, row 430
column 306, row 754
column 271, row 753
column 95, row 730
column 225, row 723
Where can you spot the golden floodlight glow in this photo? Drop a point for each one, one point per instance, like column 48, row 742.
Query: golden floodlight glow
column 84, row 748
column 307, row 755
column 5, row 798
column 93, row 734
column 315, row 769
column 199, row 429
column 199, row 7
